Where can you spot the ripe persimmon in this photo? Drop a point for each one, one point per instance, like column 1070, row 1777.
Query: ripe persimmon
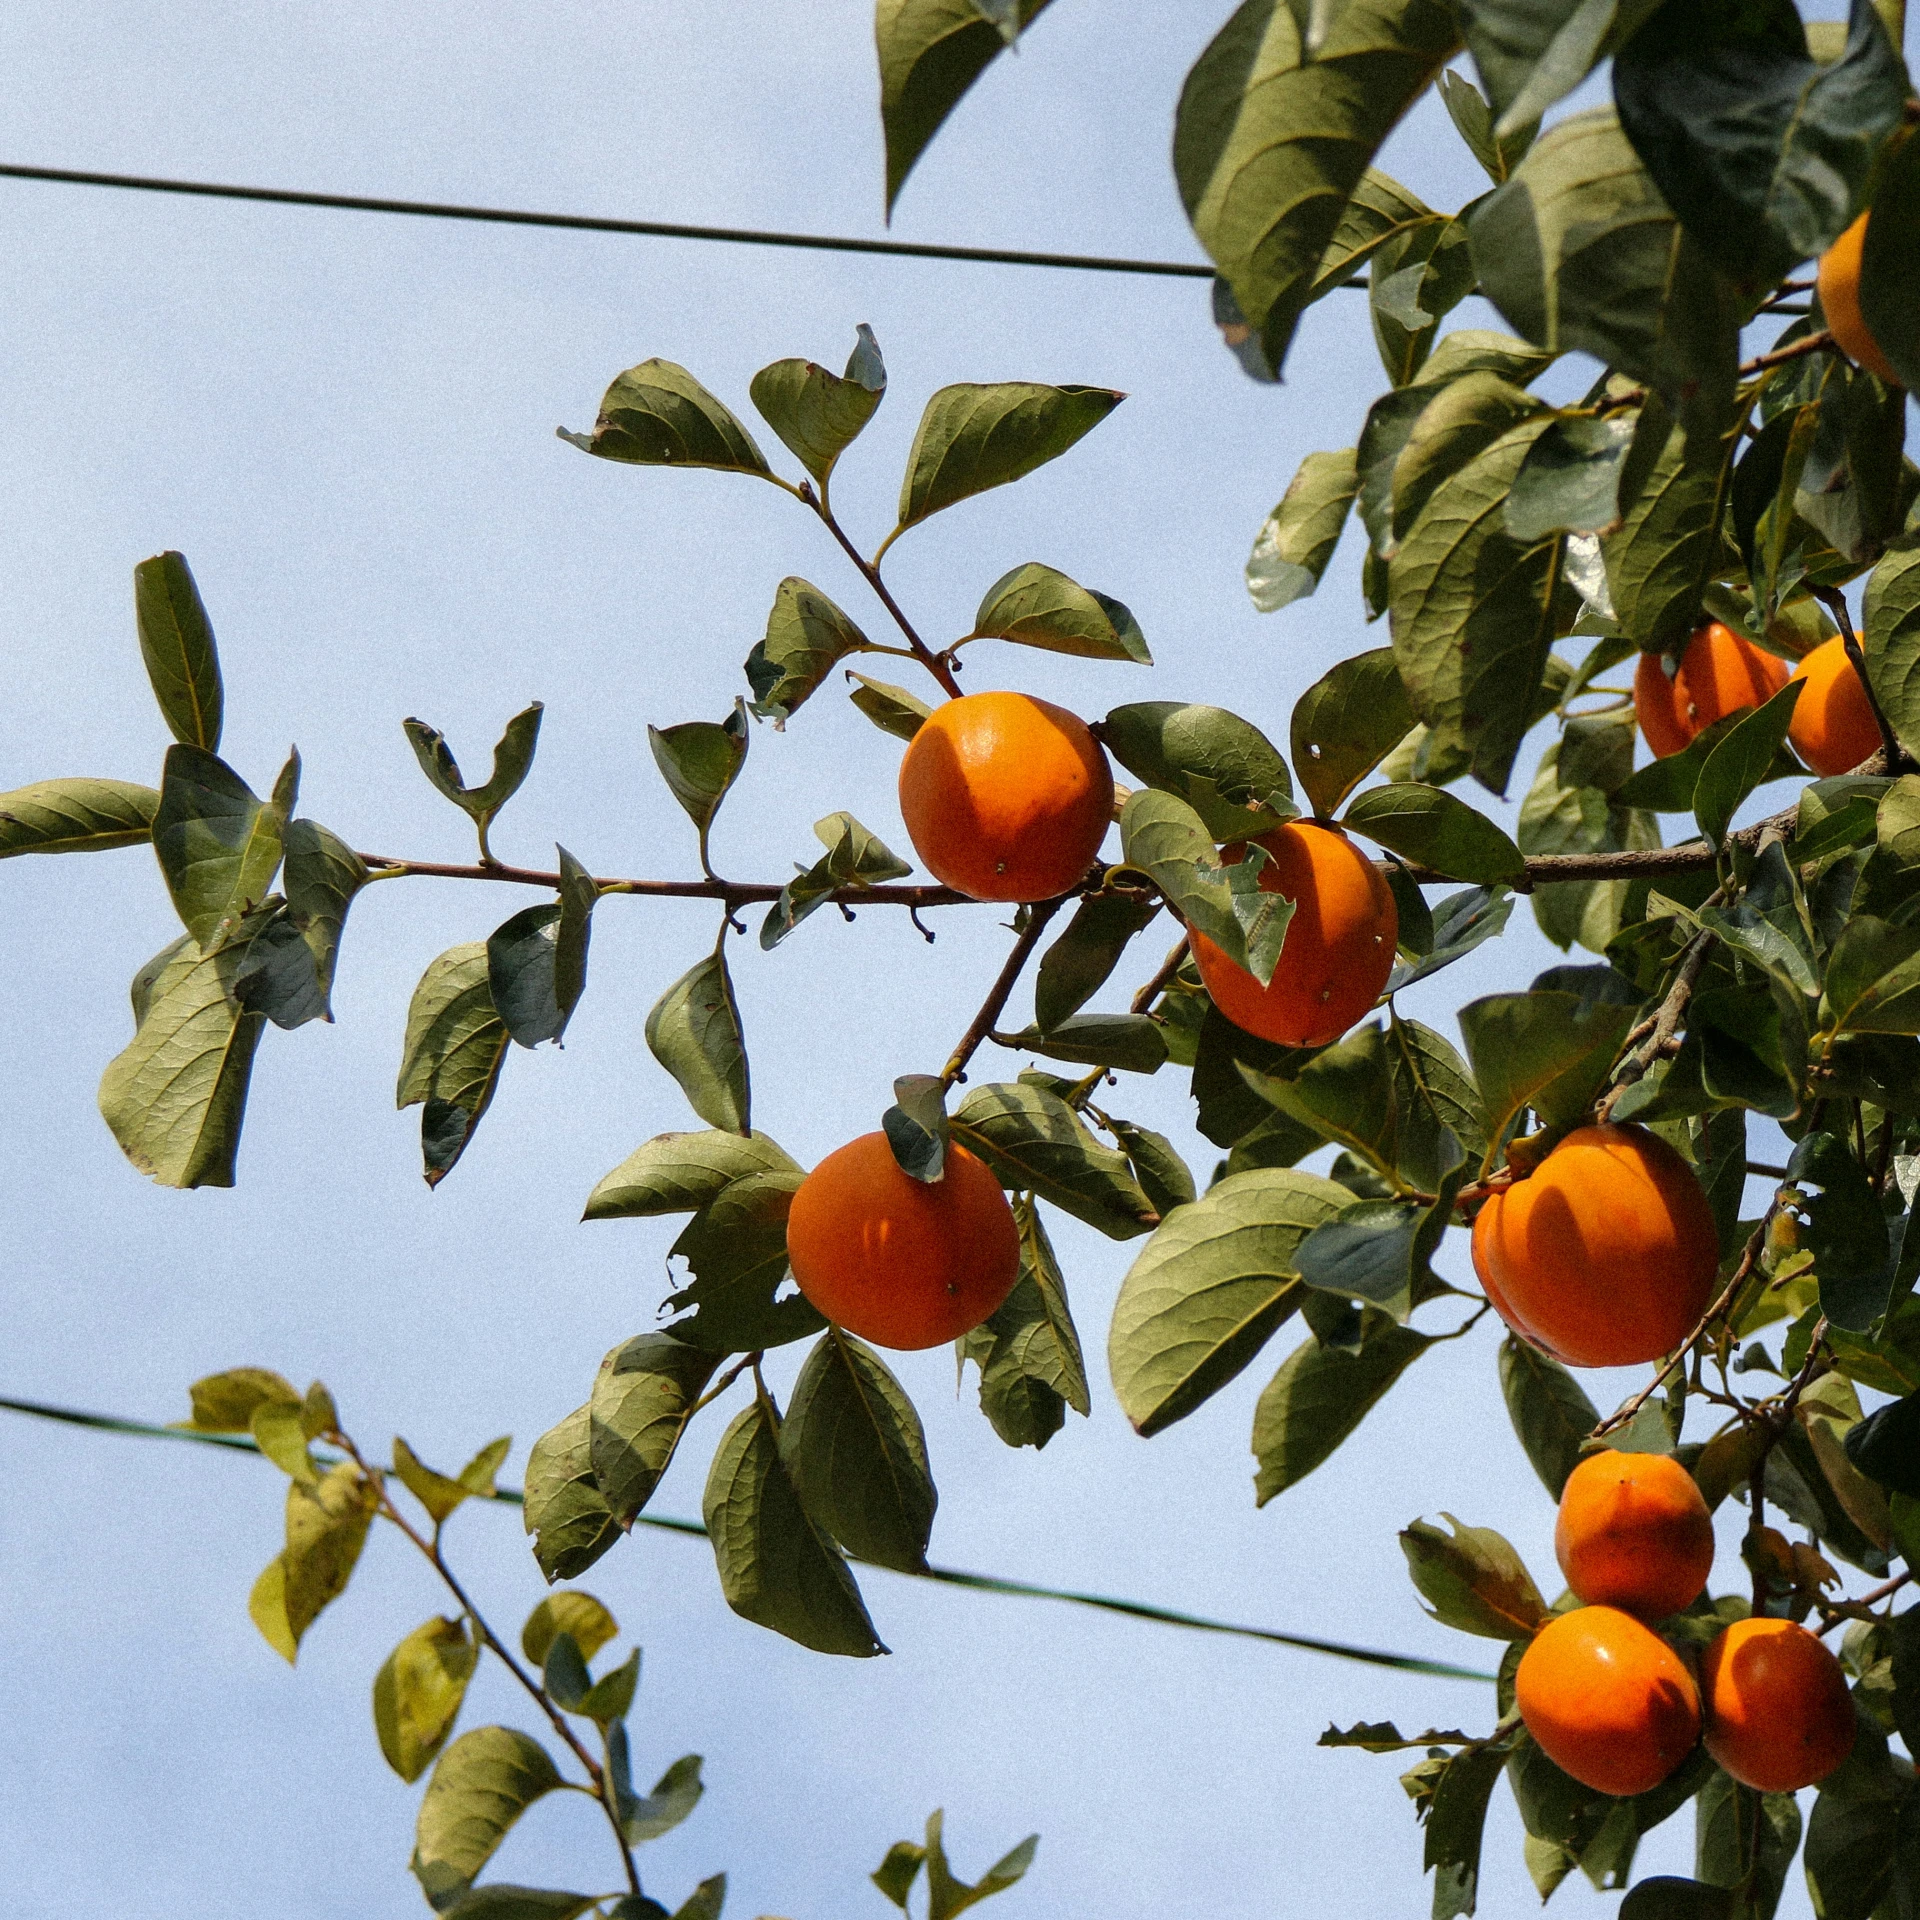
column 1719, row 673
column 902, row 1262
column 1634, row 1533
column 1006, row 797
column 1606, row 1253
column 1840, row 302
column 1339, row 944
column 1607, row 1700
column 1778, row 1713
column 1833, row 727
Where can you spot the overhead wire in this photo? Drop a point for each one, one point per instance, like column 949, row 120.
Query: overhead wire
column 942, row 1576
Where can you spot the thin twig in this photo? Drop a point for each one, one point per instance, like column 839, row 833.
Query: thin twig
column 734, row 893
column 991, row 1008
column 1143, row 1000
column 870, row 573
column 1666, row 1022
column 1821, row 342
column 1835, row 603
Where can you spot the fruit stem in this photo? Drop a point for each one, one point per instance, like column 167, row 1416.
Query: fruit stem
column 1038, row 915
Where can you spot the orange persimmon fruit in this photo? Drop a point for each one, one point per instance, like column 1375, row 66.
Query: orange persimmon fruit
column 1840, row 301
column 1339, row 944
column 1005, row 797
column 1778, row 1713
column 1606, row 1253
column 1833, row 727
column 1719, row 673
column 1607, row 1700
column 1634, row 1532
column 902, row 1262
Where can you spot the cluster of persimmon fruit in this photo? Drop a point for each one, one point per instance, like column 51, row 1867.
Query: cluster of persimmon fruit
column 1619, row 1707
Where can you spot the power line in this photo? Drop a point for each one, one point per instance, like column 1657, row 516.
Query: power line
column 593, row 223
column 943, row 1576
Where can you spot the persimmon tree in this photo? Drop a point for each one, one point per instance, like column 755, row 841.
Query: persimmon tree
column 1725, row 463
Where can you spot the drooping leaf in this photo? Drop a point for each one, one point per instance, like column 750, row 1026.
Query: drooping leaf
column 1887, row 274
column 219, row 847
column 682, row 1173
column 855, row 857
column 1031, row 1368
column 176, row 1096
column 418, row 1692
column 737, row 1251
column 1845, row 1231
column 450, row 1063
column 1345, row 724
column 176, row 642
column 1461, row 922
column 226, row 1402
column 1455, row 1823
column 1761, row 150
column 857, row 1453
column 807, row 636
column 1532, row 53
column 1550, row 1411
column 321, row 878
column 1209, row 1289
column 565, row 1512
column 1891, row 634
column 1297, row 539
column 1473, row 1580
column 658, row 415
column 643, row 1397
column 1743, row 761
column 481, row 1785
column 1128, row 1041
column 820, row 414
column 892, row 709
column 1037, row 606
column 1570, row 479
column 1319, row 1396
column 694, row 1032
column 646, row 1817
column 973, row 437
column 931, row 52
column 777, row 1568
column 75, row 816
column 1435, row 830
column 1270, row 143
column 1080, row 961
column 1163, row 1175
column 1033, row 1142
column 1547, row 1050
column 326, row 1528
column 916, row 1125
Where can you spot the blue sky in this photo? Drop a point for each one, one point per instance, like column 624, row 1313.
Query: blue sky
column 346, row 423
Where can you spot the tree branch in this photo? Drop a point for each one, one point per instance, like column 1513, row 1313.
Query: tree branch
column 870, row 573
column 1666, row 1022
column 1038, row 915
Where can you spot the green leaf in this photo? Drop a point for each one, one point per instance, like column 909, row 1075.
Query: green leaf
column 1128, row 1041
column 1762, row 151
column 322, row 876
column 1414, row 282
column 570, row 1612
column 1035, row 606
column 931, row 52
column 1031, row 1368
column 1873, row 979
column 565, row 1512
column 675, row 1795
column 1208, row 1290
column 1454, row 1826
column 947, row 1896
column 643, row 1397
column 1222, row 766
column 438, row 1493
column 737, row 1251
column 512, row 758
column 1570, row 479
column 1472, row 612
column 1461, row 922
column 892, row 709
column 819, row 414
column 1550, row 1411
column 279, row 1432
column 1033, row 1142
column 1270, row 144
column 521, row 975
column 1163, row 1175
column 326, row 1528
column 1550, row 1051
column 975, row 437
column 1533, row 53
column 777, row 1568
column 1434, row 830
column 455, row 1045
column 75, row 816
column 806, row 637
column 499, row 1901
column 1743, row 761
column 1472, row 116
column 694, row 1032
column 1345, row 724
column 176, row 642
column 1885, row 1446
column 226, row 1402
column 1169, row 842
column 1319, row 1396
column 418, row 1692
column 1667, row 1898
column 176, row 1096
column 1079, row 963
column 219, row 847
column 1887, row 280
column 1473, row 1580
column 857, row 1454
column 1579, row 252
column 700, row 761
column 1669, row 541
column 481, row 1785
column 1382, row 1736
column 658, row 415
column 896, row 1874
column 1844, row 1229
column 1293, row 546
column 1890, row 637
column 682, row 1173
column 916, row 1126
column 855, row 857
column 1430, row 1077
